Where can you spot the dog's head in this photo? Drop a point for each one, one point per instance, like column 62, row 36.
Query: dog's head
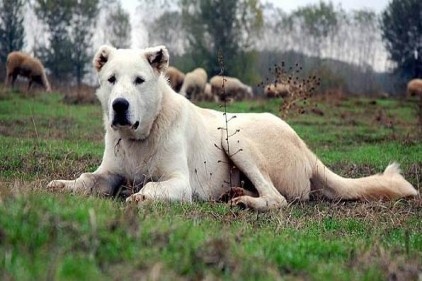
column 130, row 87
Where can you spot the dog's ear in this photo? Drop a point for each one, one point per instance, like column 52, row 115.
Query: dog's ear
column 102, row 56
column 158, row 58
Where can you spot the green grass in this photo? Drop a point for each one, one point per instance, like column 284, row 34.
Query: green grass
column 61, row 236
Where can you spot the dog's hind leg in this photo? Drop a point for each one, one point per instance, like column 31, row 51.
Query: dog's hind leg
column 252, row 164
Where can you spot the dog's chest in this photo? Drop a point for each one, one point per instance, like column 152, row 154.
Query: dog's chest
column 138, row 160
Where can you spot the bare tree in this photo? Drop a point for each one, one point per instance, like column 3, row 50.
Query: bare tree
column 318, row 25
column 113, row 25
column 276, row 32
column 161, row 23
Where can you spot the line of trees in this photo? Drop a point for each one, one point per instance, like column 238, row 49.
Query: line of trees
column 70, row 25
column 65, row 43
column 323, row 30
column 329, row 32
column 245, row 32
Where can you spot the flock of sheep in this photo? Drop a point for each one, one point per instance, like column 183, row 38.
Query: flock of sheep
column 193, row 85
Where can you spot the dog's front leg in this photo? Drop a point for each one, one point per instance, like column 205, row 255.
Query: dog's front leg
column 90, row 183
column 174, row 189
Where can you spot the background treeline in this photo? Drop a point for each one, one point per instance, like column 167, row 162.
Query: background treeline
column 354, row 52
column 63, row 33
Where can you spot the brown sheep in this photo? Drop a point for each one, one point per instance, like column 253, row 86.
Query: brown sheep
column 414, row 88
column 175, row 77
column 233, row 88
column 194, row 84
column 276, row 90
column 19, row 63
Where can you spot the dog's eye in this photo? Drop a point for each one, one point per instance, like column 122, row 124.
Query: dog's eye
column 112, row 79
column 139, row 80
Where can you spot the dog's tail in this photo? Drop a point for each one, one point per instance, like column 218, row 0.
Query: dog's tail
column 388, row 185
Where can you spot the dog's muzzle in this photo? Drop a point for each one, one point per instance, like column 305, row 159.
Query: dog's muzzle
column 120, row 118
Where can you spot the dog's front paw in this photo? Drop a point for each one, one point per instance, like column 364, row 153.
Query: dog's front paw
column 136, row 198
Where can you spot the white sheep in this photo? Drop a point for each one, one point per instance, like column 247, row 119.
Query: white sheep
column 230, row 87
column 276, row 90
column 194, row 84
column 208, row 96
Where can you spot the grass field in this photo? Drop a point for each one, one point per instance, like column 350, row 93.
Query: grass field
column 60, row 236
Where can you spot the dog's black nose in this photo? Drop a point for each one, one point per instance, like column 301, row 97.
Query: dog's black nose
column 120, row 105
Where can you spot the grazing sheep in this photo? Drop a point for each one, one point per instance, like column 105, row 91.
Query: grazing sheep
column 175, row 77
column 414, row 88
column 208, row 96
column 233, row 88
column 194, row 84
column 19, row 63
column 276, row 90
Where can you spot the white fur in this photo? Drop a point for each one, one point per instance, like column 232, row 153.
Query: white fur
column 179, row 151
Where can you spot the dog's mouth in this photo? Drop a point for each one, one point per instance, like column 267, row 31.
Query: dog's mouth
column 122, row 122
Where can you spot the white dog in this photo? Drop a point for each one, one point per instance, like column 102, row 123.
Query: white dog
column 177, row 151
